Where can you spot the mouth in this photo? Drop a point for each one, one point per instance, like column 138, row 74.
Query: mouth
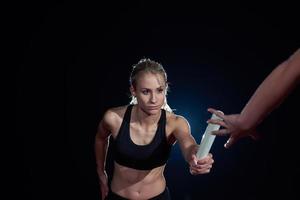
column 153, row 107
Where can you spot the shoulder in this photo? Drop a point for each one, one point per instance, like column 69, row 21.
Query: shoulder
column 114, row 115
column 178, row 122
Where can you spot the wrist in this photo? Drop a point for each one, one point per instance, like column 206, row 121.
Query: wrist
column 248, row 127
column 192, row 151
column 244, row 123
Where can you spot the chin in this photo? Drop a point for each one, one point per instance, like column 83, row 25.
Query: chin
column 153, row 111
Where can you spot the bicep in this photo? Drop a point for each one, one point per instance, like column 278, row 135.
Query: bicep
column 102, row 130
column 183, row 134
column 105, row 126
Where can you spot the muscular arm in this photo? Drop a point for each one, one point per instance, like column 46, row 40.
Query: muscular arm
column 183, row 135
column 272, row 91
column 189, row 148
column 101, row 146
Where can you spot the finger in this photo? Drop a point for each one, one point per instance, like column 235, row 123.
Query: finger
column 208, row 161
column 201, row 167
column 216, row 112
column 193, row 160
column 230, row 142
column 221, row 132
column 211, row 110
column 205, row 160
column 205, row 172
column 193, row 172
column 218, row 122
column 199, row 171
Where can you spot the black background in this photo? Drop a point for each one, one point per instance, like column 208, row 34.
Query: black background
column 74, row 62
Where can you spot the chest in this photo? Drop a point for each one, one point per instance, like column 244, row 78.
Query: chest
column 142, row 135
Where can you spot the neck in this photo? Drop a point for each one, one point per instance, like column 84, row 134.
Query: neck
column 144, row 118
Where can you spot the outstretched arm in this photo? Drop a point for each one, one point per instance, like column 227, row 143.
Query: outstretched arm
column 189, row 148
column 269, row 95
column 272, row 91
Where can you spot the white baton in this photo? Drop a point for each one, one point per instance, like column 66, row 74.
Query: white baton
column 207, row 138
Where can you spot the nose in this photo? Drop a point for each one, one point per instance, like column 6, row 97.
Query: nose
column 153, row 98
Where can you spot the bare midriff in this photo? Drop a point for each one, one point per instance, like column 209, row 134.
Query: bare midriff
column 138, row 184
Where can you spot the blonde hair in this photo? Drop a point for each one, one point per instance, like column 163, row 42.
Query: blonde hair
column 148, row 65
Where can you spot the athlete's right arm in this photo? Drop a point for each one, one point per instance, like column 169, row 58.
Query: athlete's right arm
column 101, row 145
column 267, row 97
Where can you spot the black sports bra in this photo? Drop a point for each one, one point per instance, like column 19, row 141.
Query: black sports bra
column 141, row 157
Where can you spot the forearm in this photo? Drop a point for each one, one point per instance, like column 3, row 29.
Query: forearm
column 188, row 150
column 272, row 91
column 101, row 146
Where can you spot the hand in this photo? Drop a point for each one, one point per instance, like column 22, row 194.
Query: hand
column 201, row 166
column 103, row 185
column 233, row 126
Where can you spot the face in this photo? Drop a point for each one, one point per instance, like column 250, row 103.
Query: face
column 150, row 91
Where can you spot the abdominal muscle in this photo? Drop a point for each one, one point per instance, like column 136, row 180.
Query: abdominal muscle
column 138, row 184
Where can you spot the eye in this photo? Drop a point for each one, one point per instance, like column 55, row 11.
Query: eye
column 160, row 90
column 145, row 92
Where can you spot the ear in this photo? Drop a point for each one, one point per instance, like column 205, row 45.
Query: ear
column 132, row 91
